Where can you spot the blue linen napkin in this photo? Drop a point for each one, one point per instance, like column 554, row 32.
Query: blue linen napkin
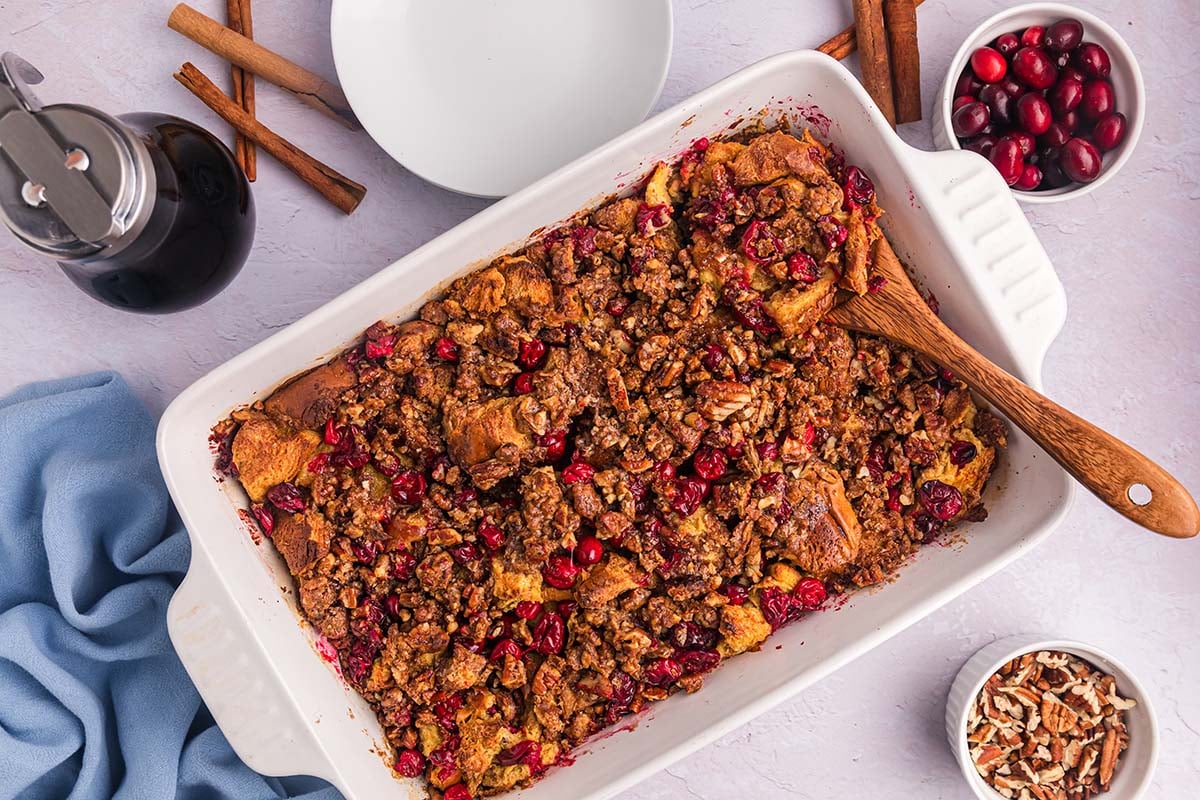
column 94, row 703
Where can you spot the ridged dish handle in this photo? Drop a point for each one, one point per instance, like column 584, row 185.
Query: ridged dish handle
column 987, row 231
column 227, row 664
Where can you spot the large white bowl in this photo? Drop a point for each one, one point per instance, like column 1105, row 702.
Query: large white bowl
column 286, row 711
column 1126, row 79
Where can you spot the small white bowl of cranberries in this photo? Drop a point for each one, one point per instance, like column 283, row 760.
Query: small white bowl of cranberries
column 1049, row 94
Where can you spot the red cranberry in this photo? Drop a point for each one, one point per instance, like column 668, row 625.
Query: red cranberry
column 695, row 662
column 1032, row 36
column 1093, row 60
column 528, row 752
column 961, row 101
column 1006, row 158
column 833, row 233
column 663, row 672
column 967, row 85
column 811, row 592
column 998, row 102
column 1055, row 136
column 578, row 472
column 532, row 353
column 1031, row 178
column 1072, row 73
column 664, row 471
column 410, row 763
column 709, row 463
column 962, row 453
column 266, row 520
column 803, row 267
column 940, row 499
column 1024, row 140
column 689, row 494
column 981, row 144
column 690, row 636
column 403, row 564
column 714, row 356
column 555, row 443
column 523, row 383
column 857, row 189
column 505, row 647
column 988, row 65
column 737, row 595
column 583, row 240
column 392, row 604
column 617, row 305
column 1070, row 120
column 1064, row 35
column 1034, row 68
column 528, row 609
column 465, row 553
column 566, row 608
column 560, row 572
column 492, row 535
column 760, row 244
column 458, row 791
column 1098, row 100
column 767, row 451
column 378, row 348
column 1007, row 44
column 333, row 432
column 589, row 551
column 1033, row 113
column 408, row 487
column 1050, row 162
column 549, row 634
column 1081, row 160
column 365, row 552
column 651, row 219
column 1109, row 132
column 778, row 607
column 286, row 497
column 446, row 349
column 970, row 120
column 1065, row 95
column 1012, row 87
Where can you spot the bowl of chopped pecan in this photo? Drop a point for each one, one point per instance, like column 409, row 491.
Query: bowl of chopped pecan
column 1030, row 718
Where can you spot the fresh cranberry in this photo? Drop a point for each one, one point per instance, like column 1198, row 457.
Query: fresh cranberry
column 549, row 634
column 1007, row 159
column 589, row 551
column 1055, row 136
column 663, row 672
column 1109, row 132
column 833, row 233
column 960, row 101
column 1081, row 160
column 410, row 763
column 1098, row 100
column 617, row 305
column 689, row 494
column 523, row 383
column 988, row 64
column 767, row 451
column 286, row 497
column 735, row 594
column 760, row 244
column 492, row 535
column 403, row 564
column 778, row 607
column 1065, row 95
column 1032, row 36
column 968, row 85
column 970, row 120
column 1050, row 163
column 803, row 267
column 1024, row 140
column 714, row 356
column 333, row 432
column 555, row 443
column 1033, row 113
column 1093, row 60
column 446, row 349
column 1012, row 87
column 1064, row 35
column 531, row 353
column 578, row 472
column 1007, row 44
column 650, row 219
column 811, row 592
column 1033, row 67
column 465, row 553
column 560, row 571
column 583, row 240
column 505, row 647
column 1071, row 120
column 458, row 791
column 999, row 103
column 408, row 487
column 857, row 189
column 940, row 499
column 709, row 463
column 695, row 662
column 982, row 144
column 266, row 520
column 1072, row 73
column 1031, row 178
column 381, row 347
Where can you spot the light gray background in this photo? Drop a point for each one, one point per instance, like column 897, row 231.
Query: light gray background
column 1127, row 358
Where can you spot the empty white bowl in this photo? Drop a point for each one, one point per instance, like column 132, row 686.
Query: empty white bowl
column 1126, row 79
column 1135, row 768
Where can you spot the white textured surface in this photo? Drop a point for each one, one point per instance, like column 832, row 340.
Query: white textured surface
column 1126, row 360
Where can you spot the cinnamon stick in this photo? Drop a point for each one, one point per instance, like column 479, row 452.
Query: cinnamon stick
column 846, row 42
column 873, row 56
column 250, row 55
column 238, row 12
column 335, row 187
column 900, row 19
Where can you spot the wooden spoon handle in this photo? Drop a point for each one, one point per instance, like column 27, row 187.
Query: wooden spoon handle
column 1111, row 469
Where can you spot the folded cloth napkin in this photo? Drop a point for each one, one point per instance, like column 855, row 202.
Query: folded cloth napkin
column 94, row 703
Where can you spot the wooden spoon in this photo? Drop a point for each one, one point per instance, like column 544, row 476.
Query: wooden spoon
column 1108, row 467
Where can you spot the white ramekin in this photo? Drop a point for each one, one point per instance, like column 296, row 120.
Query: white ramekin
column 1136, row 766
column 1126, row 79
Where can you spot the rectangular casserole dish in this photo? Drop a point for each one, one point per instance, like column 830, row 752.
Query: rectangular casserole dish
column 234, row 621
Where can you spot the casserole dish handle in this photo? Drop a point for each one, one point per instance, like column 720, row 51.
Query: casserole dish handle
column 228, row 664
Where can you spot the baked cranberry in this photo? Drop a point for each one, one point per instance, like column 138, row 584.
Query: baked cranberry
column 1007, row 44
column 750, row 312
column 531, row 353
column 391, row 604
column 760, row 244
column 458, row 791
column 359, row 661
column 960, row 101
column 988, row 64
column 1024, row 140
column 566, row 608
column 527, row 752
column 446, row 349
column 651, row 219
column 578, row 472
column 833, row 233
column 778, row 608
column 735, row 594
column 1033, row 113
column 492, row 535
column 550, row 634
column 262, row 513
column 589, row 551
column 410, row 763
column 1033, row 67
column 560, row 571
column 714, row 357
column 663, row 672
column 689, row 494
column 1098, row 100
column 999, row 103
column 528, row 609
column 286, row 497
column 1031, row 178
column 803, row 267
column 523, row 383
column 333, row 432
column 623, row 689
column 857, row 189
column 1007, row 159
column 962, row 453
column 811, row 592
column 403, row 564
column 1092, row 60
column 1032, row 36
column 616, row 306
column 1064, row 35
column 690, row 636
column 893, row 499
column 1055, row 136
column 709, row 463
column 1081, row 160
column 941, row 500
column 408, row 487
column 465, row 553
column 316, row 465
column 767, row 451
column 583, row 240
column 365, row 551
column 970, row 120
column 982, row 144
column 381, row 347
column 555, row 443
column 1065, row 95
column 664, row 471
column 968, row 85
column 875, row 462
column 505, row 647
column 1109, row 132
column 695, row 662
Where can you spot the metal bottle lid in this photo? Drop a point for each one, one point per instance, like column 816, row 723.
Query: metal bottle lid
column 74, row 182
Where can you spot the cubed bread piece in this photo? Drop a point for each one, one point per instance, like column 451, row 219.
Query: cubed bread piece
column 774, row 156
column 656, row 188
column 414, row 341
column 857, row 255
column 511, row 585
column 797, row 308
column 824, row 534
column 608, row 580
column 302, row 539
column 742, row 628
column 475, row 431
column 462, row 671
column 968, row 478
column 482, row 293
column 267, row 453
column 309, row 400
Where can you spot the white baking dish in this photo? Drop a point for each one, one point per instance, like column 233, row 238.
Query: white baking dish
column 234, row 621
